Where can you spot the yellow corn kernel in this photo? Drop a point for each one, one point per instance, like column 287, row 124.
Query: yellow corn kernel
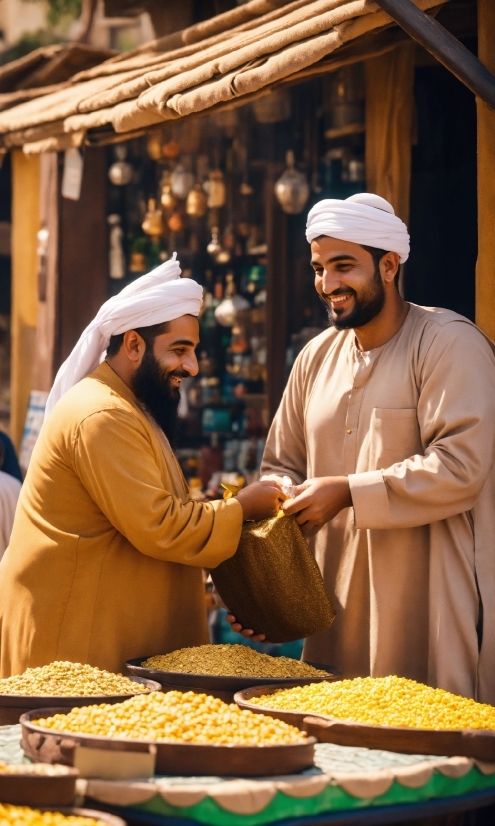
column 175, row 717
column 388, row 701
column 24, row 816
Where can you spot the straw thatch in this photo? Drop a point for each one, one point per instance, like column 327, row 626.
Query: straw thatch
column 225, row 61
column 44, row 70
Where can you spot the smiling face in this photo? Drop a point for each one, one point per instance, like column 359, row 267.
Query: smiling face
column 165, row 361
column 353, row 288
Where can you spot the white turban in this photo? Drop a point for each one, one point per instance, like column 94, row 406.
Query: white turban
column 159, row 296
column 363, row 219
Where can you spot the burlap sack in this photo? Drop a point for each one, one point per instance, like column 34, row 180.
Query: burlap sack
column 272, row 584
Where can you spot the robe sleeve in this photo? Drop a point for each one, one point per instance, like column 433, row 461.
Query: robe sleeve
column 285, row 451
column 114, row 459
column 456, row 415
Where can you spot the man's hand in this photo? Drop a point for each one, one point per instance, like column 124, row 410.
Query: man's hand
column 318, row 501
column 261, row 500
column 244, row 632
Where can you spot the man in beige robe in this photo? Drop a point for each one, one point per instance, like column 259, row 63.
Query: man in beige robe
column 105, row 558
column 390, row 417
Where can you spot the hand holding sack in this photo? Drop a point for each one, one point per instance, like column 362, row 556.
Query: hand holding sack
column 272, row 584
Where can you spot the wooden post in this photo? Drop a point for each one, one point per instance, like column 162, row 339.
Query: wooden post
column 83, row 254
column 389, row 107
column 276, row 287
column 485, row 268
column 474, row 73
column 46, row 333
column 25, row 226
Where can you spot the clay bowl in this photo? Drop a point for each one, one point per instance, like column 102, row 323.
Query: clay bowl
column 30, row 789
column 13, row 705
column 222, row 687
column 476, row 743
column 47, row 746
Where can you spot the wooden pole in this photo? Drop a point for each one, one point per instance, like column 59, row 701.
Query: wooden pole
column 25, row 226
column 444, row 47
column 485, row 268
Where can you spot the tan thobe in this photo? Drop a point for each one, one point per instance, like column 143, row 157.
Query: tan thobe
column 412, row 424
column 105, row 559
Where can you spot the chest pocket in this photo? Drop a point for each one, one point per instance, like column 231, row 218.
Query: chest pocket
column 394, row 436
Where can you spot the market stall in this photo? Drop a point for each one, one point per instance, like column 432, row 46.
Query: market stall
column 237, row 771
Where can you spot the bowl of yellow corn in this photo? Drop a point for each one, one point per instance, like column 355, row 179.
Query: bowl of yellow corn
column 391, row 713
column 65, row 684
column 37, row 784
column 224, row 669
column 194, row 734
column 15, row 815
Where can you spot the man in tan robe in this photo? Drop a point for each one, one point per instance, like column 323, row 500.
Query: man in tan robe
column 390, row 417
column 106, row 553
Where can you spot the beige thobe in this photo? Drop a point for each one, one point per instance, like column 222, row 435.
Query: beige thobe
column 411, row 567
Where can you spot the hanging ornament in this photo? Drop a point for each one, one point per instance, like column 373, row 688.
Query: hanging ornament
column 246, row 189
column 215, row 189
column 153, row 221
column 120, row 172
column 273, row 108
column 154, row 146
column 181, row 181
column 232, row 304
column 292, row 189
column 170, row 150
column 167, row 200
column 196, row 203
column 214, row 247
column 176, row 222
column 116, row 255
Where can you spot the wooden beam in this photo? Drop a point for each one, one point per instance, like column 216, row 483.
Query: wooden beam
column 444, row 47
column 25, row 226
column 485, row 267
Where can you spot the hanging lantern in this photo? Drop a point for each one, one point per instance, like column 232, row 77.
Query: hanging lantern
column 176, row 222
column 196, row 203
column 154, row 146
column 167, row 200
column 181, row 181
column 273, row 108
column 120, row 172
column 153, row 220
column 215, row 189
column 214, row 247
column 116, row 254
column 232, row 304
column 292, row 189
column 170, row 150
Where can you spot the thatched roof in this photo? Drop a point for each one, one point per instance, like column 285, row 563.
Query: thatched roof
column 43, row 70
column 225, row 61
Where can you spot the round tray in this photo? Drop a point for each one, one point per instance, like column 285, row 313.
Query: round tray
column 223, row 687
column 111, row 820
column 47, row 746
column 476, row 743
column 39, row 790
column 13, row 705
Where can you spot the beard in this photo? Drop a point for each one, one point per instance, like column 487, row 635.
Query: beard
column 366, row 306
column 152, row 387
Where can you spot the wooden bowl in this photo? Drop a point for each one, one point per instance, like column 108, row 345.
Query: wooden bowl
column 476, row 743
column 222, row 687
column 47, row 746
column 13, row 705
column 29, row 789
